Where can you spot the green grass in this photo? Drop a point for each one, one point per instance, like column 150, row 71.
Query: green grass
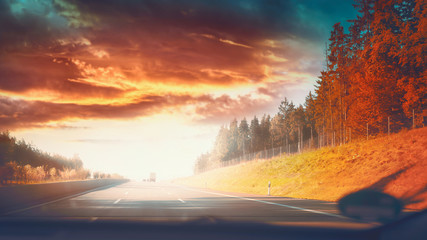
column 396, row 164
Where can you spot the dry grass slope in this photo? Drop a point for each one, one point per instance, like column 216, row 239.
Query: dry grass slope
column 395, row 164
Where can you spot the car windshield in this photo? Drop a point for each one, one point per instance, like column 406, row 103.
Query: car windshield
column 278, row 112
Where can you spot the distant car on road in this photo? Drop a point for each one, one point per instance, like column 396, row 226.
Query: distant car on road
column 152, row 177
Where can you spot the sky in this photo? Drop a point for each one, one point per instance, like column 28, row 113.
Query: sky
column 135, row 87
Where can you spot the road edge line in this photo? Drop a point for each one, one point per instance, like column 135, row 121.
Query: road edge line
column 270, row 203
column 56, row 200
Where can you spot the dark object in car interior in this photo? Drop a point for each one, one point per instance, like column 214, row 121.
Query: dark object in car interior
column 370, row 205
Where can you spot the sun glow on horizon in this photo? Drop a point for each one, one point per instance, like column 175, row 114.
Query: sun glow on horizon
column 132, row 148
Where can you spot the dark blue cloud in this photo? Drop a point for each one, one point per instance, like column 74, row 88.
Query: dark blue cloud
column 250, row 19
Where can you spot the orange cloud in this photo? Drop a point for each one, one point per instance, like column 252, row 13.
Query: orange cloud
column 204, row 108
column 89, row 59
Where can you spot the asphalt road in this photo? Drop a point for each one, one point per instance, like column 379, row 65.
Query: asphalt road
column 162, row 201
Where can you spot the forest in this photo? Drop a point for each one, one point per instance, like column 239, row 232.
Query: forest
column 21, row 162
column 374, row 83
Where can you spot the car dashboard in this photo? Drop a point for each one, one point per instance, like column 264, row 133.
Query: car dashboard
column 411, row 227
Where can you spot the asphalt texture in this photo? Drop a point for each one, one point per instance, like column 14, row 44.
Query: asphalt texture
column 167, row 202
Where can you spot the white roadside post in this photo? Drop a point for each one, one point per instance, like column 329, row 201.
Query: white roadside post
column 269, row 185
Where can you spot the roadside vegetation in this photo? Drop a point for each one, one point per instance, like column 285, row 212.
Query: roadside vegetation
column 373, row 83
column 22, row 163
column 395, row 164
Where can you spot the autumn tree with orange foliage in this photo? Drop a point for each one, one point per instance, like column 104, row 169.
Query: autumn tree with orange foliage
column 375, row 75
column 374, row 72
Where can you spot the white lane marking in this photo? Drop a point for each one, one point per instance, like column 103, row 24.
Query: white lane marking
column 179, row 199
column 271, row 203
column 117, row 201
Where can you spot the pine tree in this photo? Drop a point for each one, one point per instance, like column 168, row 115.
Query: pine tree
column 244, row 139
column 286, row 109
column 310, row 116
column 255, row 135
column 220, row 149
column 413, row 25
column 277, row 132
column 232, row 140
column 265, row 132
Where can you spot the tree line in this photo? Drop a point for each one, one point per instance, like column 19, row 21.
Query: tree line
column 374, row 82
column 21, row 162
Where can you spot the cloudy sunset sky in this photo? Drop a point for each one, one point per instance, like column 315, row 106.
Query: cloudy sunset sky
column 140, row 86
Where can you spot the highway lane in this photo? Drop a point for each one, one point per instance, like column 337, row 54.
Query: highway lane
column 163, row 201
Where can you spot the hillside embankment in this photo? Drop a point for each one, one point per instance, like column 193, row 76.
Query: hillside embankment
column 395, row 164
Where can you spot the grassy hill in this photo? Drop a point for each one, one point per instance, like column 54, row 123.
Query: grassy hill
column 396, row 164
